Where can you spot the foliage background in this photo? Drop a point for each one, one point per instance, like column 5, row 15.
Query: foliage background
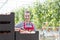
column 49, row 12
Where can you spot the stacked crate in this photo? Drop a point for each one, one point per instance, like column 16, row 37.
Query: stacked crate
column 34, row 36
column 7, row 27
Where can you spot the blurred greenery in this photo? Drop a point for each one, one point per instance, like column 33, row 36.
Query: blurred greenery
column 49, row 12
